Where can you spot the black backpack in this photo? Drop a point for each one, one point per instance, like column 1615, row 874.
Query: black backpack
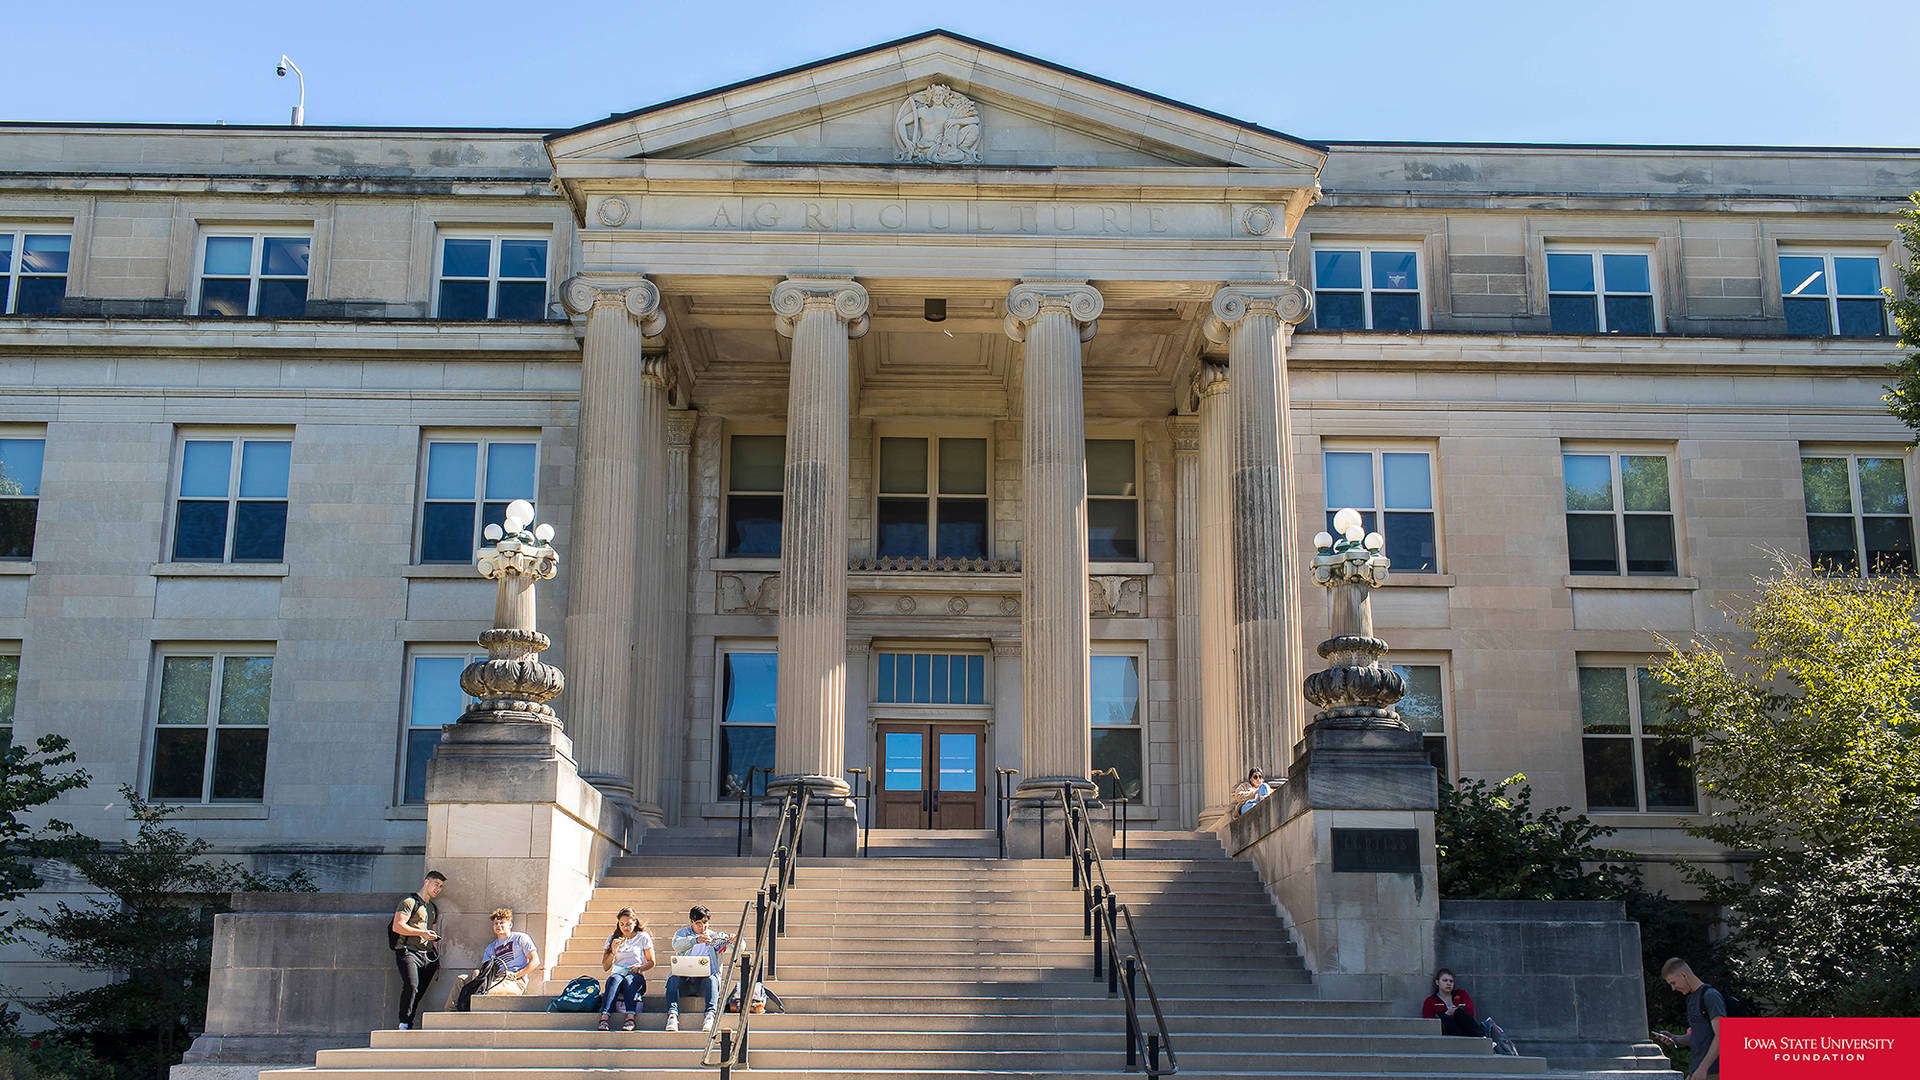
column 396, row 942
column 1736, row 1006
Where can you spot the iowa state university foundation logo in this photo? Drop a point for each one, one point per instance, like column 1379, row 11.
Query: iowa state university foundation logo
column 1841, row 1049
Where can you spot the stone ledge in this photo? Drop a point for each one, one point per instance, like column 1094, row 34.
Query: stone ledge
column 443, row 572
column 1601, row 581
column 220, row 570
column 215, row 812
column 9, row 566
column 1399, row 580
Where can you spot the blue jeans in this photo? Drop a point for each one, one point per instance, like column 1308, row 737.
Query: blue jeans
column 703, row 984
column 630, row 988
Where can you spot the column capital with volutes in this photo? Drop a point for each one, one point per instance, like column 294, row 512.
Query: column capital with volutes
column 845, row 297
column 641, row 298
column 1028, row 300
column 1287, row 301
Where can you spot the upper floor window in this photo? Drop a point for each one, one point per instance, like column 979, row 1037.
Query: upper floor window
column 1828, row 293
column 469, row 483
column 1396, row 485
column 1631, row 761
column 20, row 461
column 1366, row 288
column 1857, row 506
column 1113, row 500
column 1425, row 710
column 1619, row 502
column 210, row 726
column 756, row 482
column 1600, row 292
column 9, row 683
column 33, row 271
column 258, row 274
column 933, row 498
column 232, row 504
column 492, row 277
column 434, row 699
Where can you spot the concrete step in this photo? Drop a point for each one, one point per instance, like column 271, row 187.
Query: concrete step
column 798, row 950
column 1029, row 982
column 1090, row 1016
column 777, row 1037
column 1079, row 1072
column 1090, row 998
column 817, row 1060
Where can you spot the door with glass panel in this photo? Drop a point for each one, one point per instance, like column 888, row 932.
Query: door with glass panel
column 930, row 776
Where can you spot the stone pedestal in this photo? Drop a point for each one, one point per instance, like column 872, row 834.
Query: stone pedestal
column 831, row 829
column 1038, row 831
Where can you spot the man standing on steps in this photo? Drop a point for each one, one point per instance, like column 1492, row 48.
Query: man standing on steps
column 412, row 935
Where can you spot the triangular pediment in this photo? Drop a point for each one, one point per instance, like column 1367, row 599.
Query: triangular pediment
column 1016, row 112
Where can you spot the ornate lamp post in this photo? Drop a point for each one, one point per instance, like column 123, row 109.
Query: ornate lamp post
column 1356, row 691
column 511, row 684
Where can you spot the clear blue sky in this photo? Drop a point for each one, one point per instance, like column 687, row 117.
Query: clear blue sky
column 1826, row 72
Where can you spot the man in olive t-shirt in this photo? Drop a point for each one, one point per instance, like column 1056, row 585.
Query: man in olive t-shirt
column 412, row 933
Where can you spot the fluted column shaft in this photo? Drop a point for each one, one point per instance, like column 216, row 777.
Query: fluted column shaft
column 1266, row 658
column 601, row 586
column 1053, row 319
column 672, row 686
column 649, row 603
column 821, row 315
column 1224, row 755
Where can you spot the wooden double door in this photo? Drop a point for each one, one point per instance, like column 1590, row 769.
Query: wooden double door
column 932, row 776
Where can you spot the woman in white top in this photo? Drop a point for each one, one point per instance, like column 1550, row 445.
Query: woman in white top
column 629, row 952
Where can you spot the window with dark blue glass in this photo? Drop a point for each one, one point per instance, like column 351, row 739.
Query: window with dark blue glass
column 1113, row 501
column 1114, row 685
column 1832, row 294
column 747, row 683
column 259, row 275
column 232, row 504
column 756, row 479
column 1366, row 288
column 1632, row 759
column 1619, row 503
column 468, row 484
column 1600, row 292
column 492, row 277
column 434, row 699
column 20, row 462
column 932, row 498
column 1393, row 490
column 33, row 272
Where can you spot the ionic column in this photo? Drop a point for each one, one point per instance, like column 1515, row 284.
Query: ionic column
column 601, row 588
column 1252, row 321
column 1189, row 717
column 649, row 596
column 821, row 315
column 1224, row 756
column 1053, row 319
column 672, row 685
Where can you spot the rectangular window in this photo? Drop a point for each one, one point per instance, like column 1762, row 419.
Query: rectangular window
column 1858, row 515
column 1366, row 288
column 1631, row 761
column 747, row 681
column 930, row 678
column 1113, row 501
column 932, row 499
column 1832, row 293
column 1599, row 292
column 210, row 727
column 434, row 699
column 469, row 483
column 20, row 462
column 756, row 480
column 1396, row 485
column 33, row 271
column 1425, row 710
column 9, row 683
column 232, row 500
column 1117, row 722
column 492, row 277
column 254, row 274
column 1619, row 502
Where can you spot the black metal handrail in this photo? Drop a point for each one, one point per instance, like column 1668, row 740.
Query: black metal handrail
column 1104, row 915
column 861, row 794
column 1115, row 806
column 747, row 969
column 740, row 819
column 1002, row 796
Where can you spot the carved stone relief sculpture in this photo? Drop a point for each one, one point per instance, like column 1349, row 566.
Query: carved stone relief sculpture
column 749, row 594
column 1117, row 595
column 937, row 126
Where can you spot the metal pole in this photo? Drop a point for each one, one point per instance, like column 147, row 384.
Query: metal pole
column 726, row 1052
column 1098, row 960
column 1153, row 1054
column 1133, row 1013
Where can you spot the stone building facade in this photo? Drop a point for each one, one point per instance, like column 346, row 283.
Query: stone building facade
column 985, row 394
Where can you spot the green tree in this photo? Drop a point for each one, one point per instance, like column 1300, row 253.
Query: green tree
column 151, row 930
column 1492, row 845
column 1903, row 396
column 30, row 778
column 1807, row 741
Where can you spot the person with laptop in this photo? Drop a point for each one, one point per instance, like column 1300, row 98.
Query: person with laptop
column 698, row 952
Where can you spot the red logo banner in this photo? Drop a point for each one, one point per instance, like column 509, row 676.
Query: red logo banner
column 1755, row 1048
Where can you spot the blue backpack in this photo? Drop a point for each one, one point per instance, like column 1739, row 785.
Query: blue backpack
column 580, row 995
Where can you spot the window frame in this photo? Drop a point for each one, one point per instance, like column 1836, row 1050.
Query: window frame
column 467, row 654
column 1366, row 249
column 728, row 492
column 217, row 653
column 1377, row 451
column 722, row 649
column 1138, row 500
column 1614, row 452
column 980, row 711
column 1137, row 652
column 236, row 457
column 1449, row 745
column 255, row 274
column 933, row 495
column 494, row 237
column 1636, row 735
column 10, row 278
column 9, row 719
column 23, row 433
column 482, row 441
column 1858, row 513
column 1827, row 254
column 1596, row 254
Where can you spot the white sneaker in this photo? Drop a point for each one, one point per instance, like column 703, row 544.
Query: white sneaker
column 403, row 1027
column 707, row 1024
column 673, row 1021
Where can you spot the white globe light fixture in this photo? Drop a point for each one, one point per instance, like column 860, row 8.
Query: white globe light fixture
column 519, row 512
column 1375, row 541
column 543, row 533
column 492, row 532
column 1323, row 540
column 1347, row 523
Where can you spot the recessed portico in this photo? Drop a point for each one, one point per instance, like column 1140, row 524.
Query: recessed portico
column 1057, row 290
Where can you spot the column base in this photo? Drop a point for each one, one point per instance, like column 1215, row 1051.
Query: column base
column 1037, row 830
column 831, row 829
column 830, row 786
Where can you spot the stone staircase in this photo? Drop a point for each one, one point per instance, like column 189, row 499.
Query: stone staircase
column 931, row 959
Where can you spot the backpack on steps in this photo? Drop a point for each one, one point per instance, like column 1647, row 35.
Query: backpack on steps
column 581, row 994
